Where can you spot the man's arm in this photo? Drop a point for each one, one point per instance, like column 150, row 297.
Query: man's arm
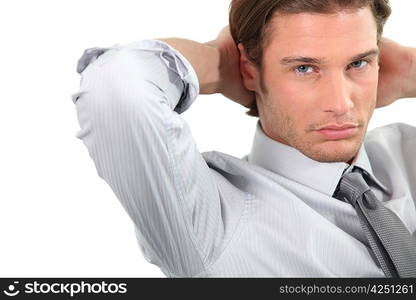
column 205, row 60
column 397, row 78
column 217, row 65
column 128, row 107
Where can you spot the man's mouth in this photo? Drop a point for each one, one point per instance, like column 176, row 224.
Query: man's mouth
column 338, row 132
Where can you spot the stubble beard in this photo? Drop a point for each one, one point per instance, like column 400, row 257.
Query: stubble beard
column 326, row 152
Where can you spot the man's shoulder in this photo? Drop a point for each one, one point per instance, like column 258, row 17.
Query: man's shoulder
column 392, row 132
column 397, row 140
column 228, row 165
column 223, row 161
column 390, row 149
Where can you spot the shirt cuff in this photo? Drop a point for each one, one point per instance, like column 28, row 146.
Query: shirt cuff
column 172, row 58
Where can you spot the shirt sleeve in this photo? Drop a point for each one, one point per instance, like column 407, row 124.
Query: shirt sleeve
column 128, row 108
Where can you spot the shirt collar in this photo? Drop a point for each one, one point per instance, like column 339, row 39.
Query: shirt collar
column 292, row 164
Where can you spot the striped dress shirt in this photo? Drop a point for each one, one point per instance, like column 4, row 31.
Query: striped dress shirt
column 268, row 214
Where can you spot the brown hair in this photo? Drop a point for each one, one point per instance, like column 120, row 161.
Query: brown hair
column 249, row 21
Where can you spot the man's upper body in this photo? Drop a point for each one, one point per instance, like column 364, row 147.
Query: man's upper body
column 271, row 213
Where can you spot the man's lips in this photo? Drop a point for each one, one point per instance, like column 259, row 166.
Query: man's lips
column 338, row 132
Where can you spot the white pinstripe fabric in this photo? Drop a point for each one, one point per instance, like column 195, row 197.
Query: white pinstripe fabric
column 269, row 214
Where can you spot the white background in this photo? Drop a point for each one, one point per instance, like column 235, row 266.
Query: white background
column 57, row 217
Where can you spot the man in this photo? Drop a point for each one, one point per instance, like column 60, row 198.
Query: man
column 316, row 197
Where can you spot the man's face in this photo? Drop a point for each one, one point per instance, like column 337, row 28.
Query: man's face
column 321, row 75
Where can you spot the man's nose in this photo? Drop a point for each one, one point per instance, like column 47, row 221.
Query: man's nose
column 337, row 95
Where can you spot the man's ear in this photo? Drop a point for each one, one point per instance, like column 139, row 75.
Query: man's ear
column 248, row 70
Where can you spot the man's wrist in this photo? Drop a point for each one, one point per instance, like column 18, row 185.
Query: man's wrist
column 205, row 60
column 229, row 78
column 212, row 71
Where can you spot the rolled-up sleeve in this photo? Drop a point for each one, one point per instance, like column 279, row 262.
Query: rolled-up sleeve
column 128, row 107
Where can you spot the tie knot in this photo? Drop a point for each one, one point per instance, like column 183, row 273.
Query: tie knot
column 351, row 187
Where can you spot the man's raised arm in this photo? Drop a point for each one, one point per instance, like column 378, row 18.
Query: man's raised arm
column 216, row 64
column 129, row 105
column 397, row 78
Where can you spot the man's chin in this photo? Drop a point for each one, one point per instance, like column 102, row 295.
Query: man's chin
column 333, row 151
column 332, row 157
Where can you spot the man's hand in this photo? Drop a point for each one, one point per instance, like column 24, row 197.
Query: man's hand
column 397, row 77
column 231, row 84
column 216, row 64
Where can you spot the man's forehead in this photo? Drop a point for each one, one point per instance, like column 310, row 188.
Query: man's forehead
column 306, row 25
column 322, row 36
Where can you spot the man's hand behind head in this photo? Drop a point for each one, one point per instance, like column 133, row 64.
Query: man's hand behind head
column 231, row 85
column 397, row 72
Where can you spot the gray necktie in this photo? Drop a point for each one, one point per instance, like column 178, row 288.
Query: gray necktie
column 391, row 242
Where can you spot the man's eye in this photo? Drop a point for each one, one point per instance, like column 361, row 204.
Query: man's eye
column 359, row 64
column 304, row 69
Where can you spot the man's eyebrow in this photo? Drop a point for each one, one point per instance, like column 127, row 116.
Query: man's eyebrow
column 300, row 59
column 372, row 52
column 317, row 61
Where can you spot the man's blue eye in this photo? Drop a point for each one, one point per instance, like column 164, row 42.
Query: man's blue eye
column 358, row 64
column 304, row 69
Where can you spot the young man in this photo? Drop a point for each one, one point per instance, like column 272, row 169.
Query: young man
column 316, row 197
